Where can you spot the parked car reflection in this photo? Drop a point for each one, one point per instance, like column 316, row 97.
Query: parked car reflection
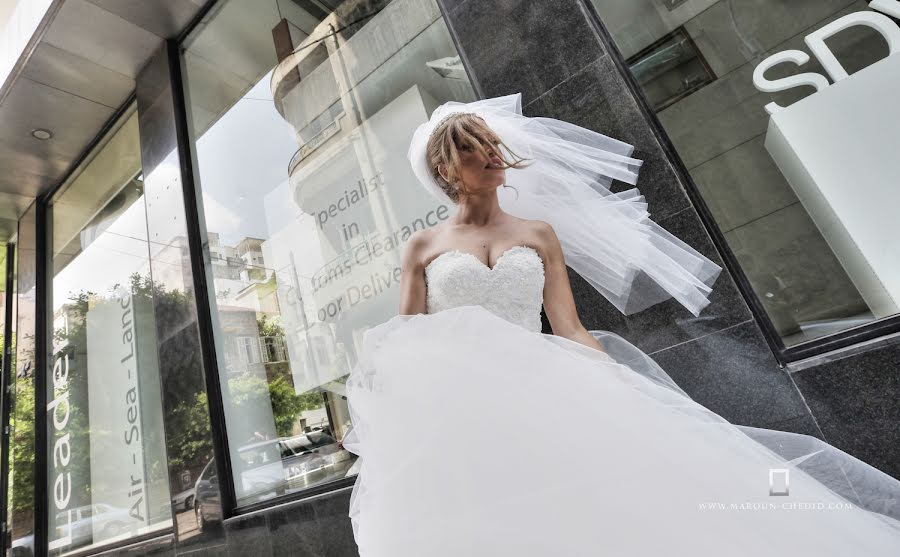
column 184, row 500
column 207, row 501
column 107, row 521
column 314, row 458
column 23, row 546
column 272, row 468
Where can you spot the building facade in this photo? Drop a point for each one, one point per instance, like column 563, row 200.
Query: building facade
column 204, row 205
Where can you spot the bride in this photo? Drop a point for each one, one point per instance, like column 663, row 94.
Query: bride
column 479, row 435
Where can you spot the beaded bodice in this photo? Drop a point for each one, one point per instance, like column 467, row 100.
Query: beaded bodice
column 513, row 289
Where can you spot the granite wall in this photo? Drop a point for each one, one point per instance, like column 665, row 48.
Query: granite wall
column 720, row 358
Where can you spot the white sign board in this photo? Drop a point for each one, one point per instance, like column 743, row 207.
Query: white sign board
column 357, row 201
column 839, row 151
column 125, row 404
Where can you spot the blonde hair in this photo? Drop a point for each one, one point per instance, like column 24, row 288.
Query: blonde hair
column 452, row 133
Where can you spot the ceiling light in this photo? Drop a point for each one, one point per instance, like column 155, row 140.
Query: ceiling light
column 41, row 134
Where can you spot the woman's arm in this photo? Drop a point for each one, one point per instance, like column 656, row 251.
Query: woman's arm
column 412, row 276
column 559, row 304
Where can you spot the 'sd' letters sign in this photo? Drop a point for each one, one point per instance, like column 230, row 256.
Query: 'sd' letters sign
column 816, row 43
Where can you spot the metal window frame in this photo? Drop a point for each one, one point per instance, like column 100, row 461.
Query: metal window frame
column 192, row 189
column 43, row 247
column 196, row 230
column 42, row 342
column 6, row 371
column 783, row 354
column 43, row 322
column 679, row 31
column 202, row 274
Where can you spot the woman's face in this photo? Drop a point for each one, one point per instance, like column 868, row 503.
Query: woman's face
column 479, row 173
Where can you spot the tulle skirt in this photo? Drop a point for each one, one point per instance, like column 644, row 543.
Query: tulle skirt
column 478, row 437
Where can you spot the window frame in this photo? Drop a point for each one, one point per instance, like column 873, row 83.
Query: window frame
column 43, row 338
column 681, row 32
column 786, row 356
column 203, row 280
column 6, row 376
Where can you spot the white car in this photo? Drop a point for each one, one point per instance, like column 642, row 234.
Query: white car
column 184, row 500
column 106, row 520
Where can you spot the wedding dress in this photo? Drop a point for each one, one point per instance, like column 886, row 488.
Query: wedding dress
column 481, row 436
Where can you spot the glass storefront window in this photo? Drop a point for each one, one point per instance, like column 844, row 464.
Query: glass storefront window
column 108, row 474
column 16, row 502
column 302, row 114
column 805, row 196
column 20, row 505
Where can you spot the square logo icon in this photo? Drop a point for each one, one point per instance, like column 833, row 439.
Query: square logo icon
column 779, row 479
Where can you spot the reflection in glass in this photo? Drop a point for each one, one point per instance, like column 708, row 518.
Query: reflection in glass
column 670, row 69
column 108, row 475
column 9, row 385
column 301, row 119
column 21, row 422
column 805, row 275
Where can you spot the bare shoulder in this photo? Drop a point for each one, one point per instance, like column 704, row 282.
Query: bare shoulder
column 417, row 247
column 542, row 228
column 544, row 235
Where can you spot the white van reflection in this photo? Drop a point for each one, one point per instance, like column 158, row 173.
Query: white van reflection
column 272, row 468
column 109, row 521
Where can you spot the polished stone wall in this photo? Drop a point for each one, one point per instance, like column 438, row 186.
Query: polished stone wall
column 554, row 53
column 720, row 358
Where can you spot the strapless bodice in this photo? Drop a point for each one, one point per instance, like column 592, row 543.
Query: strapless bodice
column 513, row 289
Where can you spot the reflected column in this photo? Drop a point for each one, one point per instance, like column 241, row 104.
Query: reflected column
column 187, row 363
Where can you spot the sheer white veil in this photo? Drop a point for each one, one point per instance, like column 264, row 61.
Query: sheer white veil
column 608, row 238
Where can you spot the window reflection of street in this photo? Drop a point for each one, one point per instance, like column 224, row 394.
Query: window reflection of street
column 108, row 462
column 695, row 61
column 272, row 468
column 307, row 199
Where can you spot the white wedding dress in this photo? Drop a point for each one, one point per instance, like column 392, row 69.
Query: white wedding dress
column 481, row 436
